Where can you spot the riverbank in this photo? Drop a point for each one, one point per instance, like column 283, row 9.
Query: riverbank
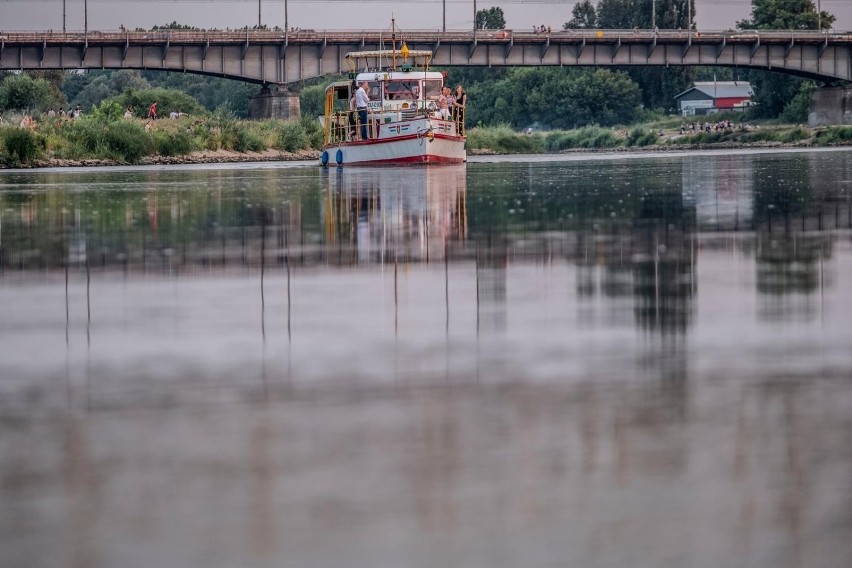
column 279, row 141
column 200, row 157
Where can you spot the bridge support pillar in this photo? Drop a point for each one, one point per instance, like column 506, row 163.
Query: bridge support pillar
column 269, row 103
column 831, row 106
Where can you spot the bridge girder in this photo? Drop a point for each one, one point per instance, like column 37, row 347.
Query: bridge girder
column 260, row 56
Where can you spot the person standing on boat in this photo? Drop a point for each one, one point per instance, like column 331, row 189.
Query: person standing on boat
column 444, row 103
column 361, row 101
column 353, row 109
column 459, row 102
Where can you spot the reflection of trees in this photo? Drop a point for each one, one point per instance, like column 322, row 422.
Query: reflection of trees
column 162, row 221
column 793, row 204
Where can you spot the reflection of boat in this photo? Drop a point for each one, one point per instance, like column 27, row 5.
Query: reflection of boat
column 397, row 212
column 402, row 124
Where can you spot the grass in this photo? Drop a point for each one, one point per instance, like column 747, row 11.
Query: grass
column 129, row 141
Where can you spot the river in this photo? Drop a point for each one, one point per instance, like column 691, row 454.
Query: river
column 590, row 360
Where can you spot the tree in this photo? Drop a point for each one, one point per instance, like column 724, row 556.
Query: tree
column 584, row 17
column 773, row 92
column 616, row 14
column 23, row 92
column 490, row 19
column 785, row 15
column 104, row 85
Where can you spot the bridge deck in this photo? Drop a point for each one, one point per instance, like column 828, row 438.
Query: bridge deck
column 266, row 56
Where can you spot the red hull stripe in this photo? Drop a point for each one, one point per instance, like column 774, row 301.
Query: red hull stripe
column 409, row 160
column 371, row 142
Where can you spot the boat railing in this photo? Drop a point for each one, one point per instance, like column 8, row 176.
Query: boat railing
column 345, row 126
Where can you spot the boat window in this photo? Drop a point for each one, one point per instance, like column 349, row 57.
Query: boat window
column 402, row 90
column 375, row 91
column 433, row 88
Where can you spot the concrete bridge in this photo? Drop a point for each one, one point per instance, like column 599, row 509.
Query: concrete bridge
column 278, row 57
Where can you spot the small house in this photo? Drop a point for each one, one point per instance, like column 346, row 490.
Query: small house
column 714, row 96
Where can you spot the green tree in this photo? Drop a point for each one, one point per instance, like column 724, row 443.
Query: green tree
column 584, row 17
column 774, row 92
column 167, row 100
column 107, row 84
column 616, row 14
column 556, row 98
column 490, row 19
column 785, row 15
column 23, row 92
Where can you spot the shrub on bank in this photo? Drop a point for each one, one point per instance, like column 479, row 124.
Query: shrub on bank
column 124, row 141
column 504, row 140
column 834, row 135
column 587, row 137
column 641, row 137
column 19, row 146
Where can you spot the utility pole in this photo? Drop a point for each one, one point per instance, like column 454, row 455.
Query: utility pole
column 86, row 16
column 819, row 15
column 258, row 14
column 444, row 6
column 689, row 17
column 653, row 14
column 63, row 16
column 474, row 16
column 286, row 28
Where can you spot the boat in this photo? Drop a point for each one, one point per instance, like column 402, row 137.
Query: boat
column 403, row 124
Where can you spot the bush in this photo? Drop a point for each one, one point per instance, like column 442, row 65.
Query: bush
column 173, row 143
column 313, row 130
column 291, row 137
column 835, row 135
column 121, row 140
column 21, row 146
column 505, row 140
column 641, row 137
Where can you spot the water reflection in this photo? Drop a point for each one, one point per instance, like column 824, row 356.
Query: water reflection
column 620, row 362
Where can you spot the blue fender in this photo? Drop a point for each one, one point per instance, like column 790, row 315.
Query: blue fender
column 339, row 157
column 324, row 158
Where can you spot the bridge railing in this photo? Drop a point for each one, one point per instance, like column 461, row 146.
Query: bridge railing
column 414, row 36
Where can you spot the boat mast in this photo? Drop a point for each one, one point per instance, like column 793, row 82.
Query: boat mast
column 393, row 42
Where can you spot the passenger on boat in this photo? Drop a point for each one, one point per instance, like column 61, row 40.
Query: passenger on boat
column 361, row 101
column 444, row 104
column 352, row 110
column 459, row 102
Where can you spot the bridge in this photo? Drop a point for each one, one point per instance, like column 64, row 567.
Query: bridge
column 282, row 57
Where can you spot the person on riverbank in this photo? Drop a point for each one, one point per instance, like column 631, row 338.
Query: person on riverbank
column 152, row 112
column 362, row 99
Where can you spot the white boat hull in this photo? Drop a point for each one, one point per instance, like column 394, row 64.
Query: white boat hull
column 417, row 141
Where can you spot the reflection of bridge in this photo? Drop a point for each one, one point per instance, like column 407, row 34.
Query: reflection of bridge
column 262, row 56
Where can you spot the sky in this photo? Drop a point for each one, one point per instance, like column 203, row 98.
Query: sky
column 336, row 14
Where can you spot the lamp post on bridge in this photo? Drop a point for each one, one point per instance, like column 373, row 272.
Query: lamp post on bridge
column 258, row 14
column 86, row 17
column 63, row 16
column 653, row 14
column 819, row 15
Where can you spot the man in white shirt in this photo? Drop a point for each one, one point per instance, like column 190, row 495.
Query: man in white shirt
column 361, row 101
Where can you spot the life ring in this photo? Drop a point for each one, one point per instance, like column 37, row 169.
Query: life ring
column 339, row 157
column 324, row 158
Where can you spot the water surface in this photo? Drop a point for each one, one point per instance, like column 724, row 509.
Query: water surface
column 632, row 360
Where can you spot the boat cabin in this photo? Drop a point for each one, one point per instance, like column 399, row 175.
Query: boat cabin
column 396, row 93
